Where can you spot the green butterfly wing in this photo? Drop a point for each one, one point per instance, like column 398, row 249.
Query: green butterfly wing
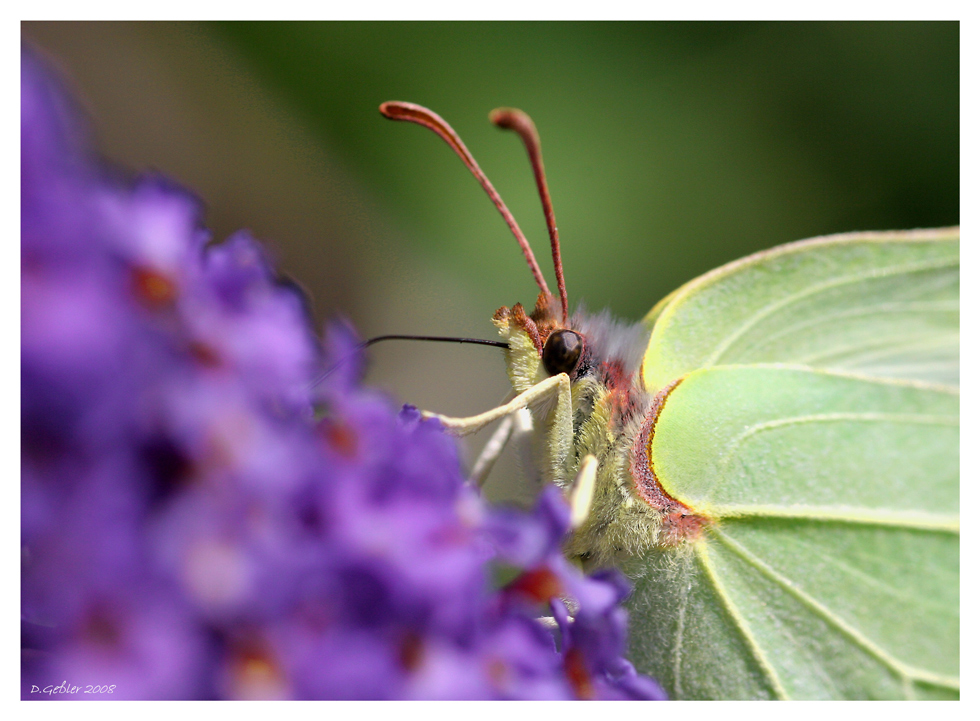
column 817, row 425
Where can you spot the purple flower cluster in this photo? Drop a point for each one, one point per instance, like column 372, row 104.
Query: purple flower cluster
column 198, row 523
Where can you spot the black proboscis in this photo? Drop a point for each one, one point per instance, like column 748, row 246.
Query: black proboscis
column 378, row 339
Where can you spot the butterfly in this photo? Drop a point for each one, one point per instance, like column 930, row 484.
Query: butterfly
column 771, row 455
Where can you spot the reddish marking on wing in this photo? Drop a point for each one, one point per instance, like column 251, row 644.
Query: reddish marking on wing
column 680, row 522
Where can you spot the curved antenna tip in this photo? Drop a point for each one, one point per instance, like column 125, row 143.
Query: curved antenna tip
column 398, row 109
column 510, row 118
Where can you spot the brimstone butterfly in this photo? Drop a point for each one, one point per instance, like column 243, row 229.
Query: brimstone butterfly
column 771, row 455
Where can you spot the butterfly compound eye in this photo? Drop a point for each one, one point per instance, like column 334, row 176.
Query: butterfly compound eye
column 562, row 352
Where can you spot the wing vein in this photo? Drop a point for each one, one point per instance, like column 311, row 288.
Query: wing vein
column 865, row 578
column 772, row 307
column 925, row 307
column 739, row 620
column 679, row 640
column 936, row 522
column 900, row 668
column 931, row 386
column 877, row 349
column 839, row 417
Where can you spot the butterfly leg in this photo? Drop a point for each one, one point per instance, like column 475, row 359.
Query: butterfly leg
column 556, row 391
column 580, row 493
column 491, row 451
column 547, row 389
column 558, row 468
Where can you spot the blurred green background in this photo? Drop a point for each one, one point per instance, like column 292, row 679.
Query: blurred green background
column 671, row 148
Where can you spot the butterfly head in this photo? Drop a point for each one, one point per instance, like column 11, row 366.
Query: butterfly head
column 540, row 343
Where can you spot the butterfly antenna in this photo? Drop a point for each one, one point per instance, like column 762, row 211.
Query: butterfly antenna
column 395, row 110
column 521, row 123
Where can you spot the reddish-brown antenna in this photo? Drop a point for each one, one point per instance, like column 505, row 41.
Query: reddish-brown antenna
column 521, row 123
column 411, row 112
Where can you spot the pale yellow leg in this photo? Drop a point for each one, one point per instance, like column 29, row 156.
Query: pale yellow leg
column 491, row 451
column 558, row 384
column 580, row 493
column 560, row 433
